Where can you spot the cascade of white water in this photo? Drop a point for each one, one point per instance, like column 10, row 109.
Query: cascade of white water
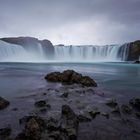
column 91, row 53
column 11, row 52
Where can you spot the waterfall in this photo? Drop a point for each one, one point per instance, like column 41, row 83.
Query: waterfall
column 91, row 53
column 108, row 53
column 16, row 53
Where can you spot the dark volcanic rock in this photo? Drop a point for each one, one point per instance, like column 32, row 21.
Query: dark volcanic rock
column 135, row 102
column 41, row 103
column 83, row 118
column 34, row 126
column 5, row 132
column 126, row 109
column 70, row 77
column 87, row 81
column 112, row 103
column 54, row 77
column 134, row 50
column 69, row 123
column 3, row 103
column 137, row 62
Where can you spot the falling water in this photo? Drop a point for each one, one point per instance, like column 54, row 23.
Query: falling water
column 16, row 53
column 91, row 53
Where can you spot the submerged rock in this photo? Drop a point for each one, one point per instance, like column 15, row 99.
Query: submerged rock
column 70, row 77
column 41, row 103
column 3, row 103
column 112, row 103
column 83, row 118
column 94, row 113
column 135, row 102
column 65, row 95
column 126, row 109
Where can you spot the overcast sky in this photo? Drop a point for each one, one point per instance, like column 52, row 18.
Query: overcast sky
column 72, row 21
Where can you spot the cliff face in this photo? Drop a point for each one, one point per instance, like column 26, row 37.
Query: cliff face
column 30, row 43
column 134, row 50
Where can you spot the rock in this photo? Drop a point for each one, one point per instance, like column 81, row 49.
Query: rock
column 52, row 125
column 83, row 118
column 94, row 113
column 134, row 51
column 137, row 62
column 65, row 95
column 69, row 122
column 34, row 126
column 105, row 115
column 5, row 132
column 112, row 103
column 41, row 103
column 3, row 103
column 116, row 110
column 126, row 109
column 54, row 77
column 87, row 81
column 70, row 77
column 138, row 114
column 15, row 109
column 33, row 130
column 135, row 102
column 38, row 119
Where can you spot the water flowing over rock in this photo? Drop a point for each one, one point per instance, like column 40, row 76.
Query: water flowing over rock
column 29, row 49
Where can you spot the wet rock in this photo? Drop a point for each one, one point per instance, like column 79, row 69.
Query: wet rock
column 87, row 81
column 70, row 77
column 69, row 123
column 94, row 113
column 135, row 102
column 5, row 132
column 3, row 103
column 65, row 95
column 126, row 109
column 38, row 119
column 83, row 118
column 54, row 77
column 15, row 109
column 52, row 124
column 137, row 62
column 138, row 114
column 112, row 103
column 33, row 130
column 105, row 115
column 44, row 93
column 34, row 126
column 41, row 103
column 116, row 111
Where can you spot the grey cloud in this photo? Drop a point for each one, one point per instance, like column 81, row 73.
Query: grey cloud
column 72, row 21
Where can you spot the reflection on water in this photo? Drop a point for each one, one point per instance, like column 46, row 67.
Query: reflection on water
column 21, row 78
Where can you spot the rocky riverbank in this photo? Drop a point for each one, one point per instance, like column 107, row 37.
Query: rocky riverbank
column 74, row 110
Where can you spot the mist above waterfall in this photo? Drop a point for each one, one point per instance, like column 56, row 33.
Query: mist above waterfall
column 18, row 53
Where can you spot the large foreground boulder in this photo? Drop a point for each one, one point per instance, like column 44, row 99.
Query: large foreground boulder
column 70, row 77
column 3, row 103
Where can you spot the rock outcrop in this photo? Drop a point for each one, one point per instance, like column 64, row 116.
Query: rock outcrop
column 70, row 77
column 134, row 51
